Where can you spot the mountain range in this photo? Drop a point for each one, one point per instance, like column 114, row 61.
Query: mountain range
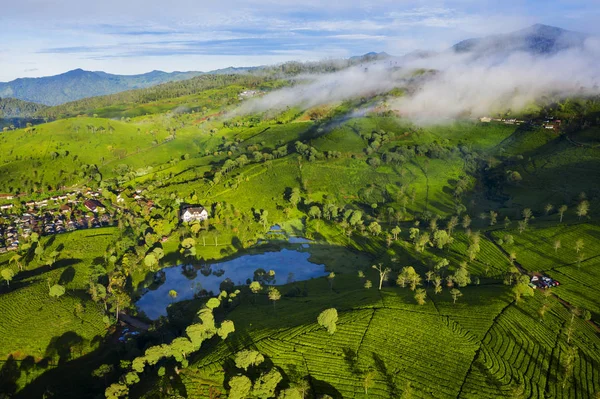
column 77, row 84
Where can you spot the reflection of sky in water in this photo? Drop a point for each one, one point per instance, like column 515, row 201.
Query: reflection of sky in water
column 154, row 303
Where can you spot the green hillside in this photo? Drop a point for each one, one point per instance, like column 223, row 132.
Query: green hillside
column 459, row 213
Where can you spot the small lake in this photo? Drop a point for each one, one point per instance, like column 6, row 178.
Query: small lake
column 289, row 265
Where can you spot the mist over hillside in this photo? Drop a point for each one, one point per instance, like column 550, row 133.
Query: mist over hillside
column 473, row 78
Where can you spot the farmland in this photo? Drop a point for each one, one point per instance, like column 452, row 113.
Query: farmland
column 428, row 237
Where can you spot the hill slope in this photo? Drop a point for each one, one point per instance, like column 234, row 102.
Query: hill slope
column 14, row 108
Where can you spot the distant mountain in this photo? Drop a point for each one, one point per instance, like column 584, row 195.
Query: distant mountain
column 14, row 108
column 77, row 84
column 537, row 40
column 372, row 56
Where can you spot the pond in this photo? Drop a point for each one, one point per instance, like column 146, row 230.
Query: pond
column 289, row 265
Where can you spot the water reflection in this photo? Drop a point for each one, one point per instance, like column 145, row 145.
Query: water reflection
column 188, row 280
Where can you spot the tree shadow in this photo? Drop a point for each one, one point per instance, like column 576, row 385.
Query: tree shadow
column 389, row 378
column 9, row 374
column 63, row 346
column 25, row 274
column 67, row 276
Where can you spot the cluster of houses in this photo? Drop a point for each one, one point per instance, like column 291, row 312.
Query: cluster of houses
column 549, row 122
column 54, row 215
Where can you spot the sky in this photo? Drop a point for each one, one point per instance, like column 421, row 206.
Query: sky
column 48, row 37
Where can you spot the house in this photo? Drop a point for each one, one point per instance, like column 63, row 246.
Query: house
column 93, row 205
column 485, row 119
column 192, row 213
column 65, row 208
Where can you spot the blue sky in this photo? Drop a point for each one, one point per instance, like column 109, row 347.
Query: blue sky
column 46, row 37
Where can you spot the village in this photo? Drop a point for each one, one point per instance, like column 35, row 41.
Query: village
column 58, row 214
column 549, row 122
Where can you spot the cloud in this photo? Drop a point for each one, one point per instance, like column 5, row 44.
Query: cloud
column 461, row 86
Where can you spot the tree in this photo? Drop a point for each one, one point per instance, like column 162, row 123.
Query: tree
column 561, row 212
column 295, row 196
column 568, row 365
column 441, row 239
column 369, row 381
column 466, row 222
column 420, row 296
column 375, row 228
column 102, row 371
column 383, row 273
column 246, row 358
column 493, row 217
column 16, row 258
column 437, row 284
column 583, row 208
column 461, row 276
column 7, row 275
column 255, row 287
column 328, row 319
column 274, row 295
column 578, row 245
column 173, row 294
column 266, row 384
column 368, row 284
column 116, row 390
column 57, row 290
column 314, row 212
column 556, row 245
column 330, row 279
column 408, row 274
column 239, row 387
column 548, row 208
column 527, row 214
column 452, row 223
column 455, row 294
column 395, row 232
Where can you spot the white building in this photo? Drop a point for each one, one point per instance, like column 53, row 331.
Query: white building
column 193, row 213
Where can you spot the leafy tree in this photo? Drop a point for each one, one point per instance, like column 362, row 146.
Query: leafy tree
column 556, row 245
column 578, row 245
column 57, row 291
column 461, row 276
column 330, row 279
column 455, row 294
column 255, row 287
column 583, row 208
column 116, row 390
column 246, row 358
column 395, row 232
column 383, row 273
column 466, row 222
column 266, row 384
column 213, row 303
column 493, row 217
column 274, row 295
column 7, row 275
column 408, row 274
column 173, row 294
column 368, row 284
column 369, row 380
column 437, row 284
column 239, row 387
column 314, row 212
column 568, row 365
column 561, row 212
column 441, row 238
column 295, row 196
column 548, row 208
column 375, row 228
column 420, row 296
column 328, row 319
